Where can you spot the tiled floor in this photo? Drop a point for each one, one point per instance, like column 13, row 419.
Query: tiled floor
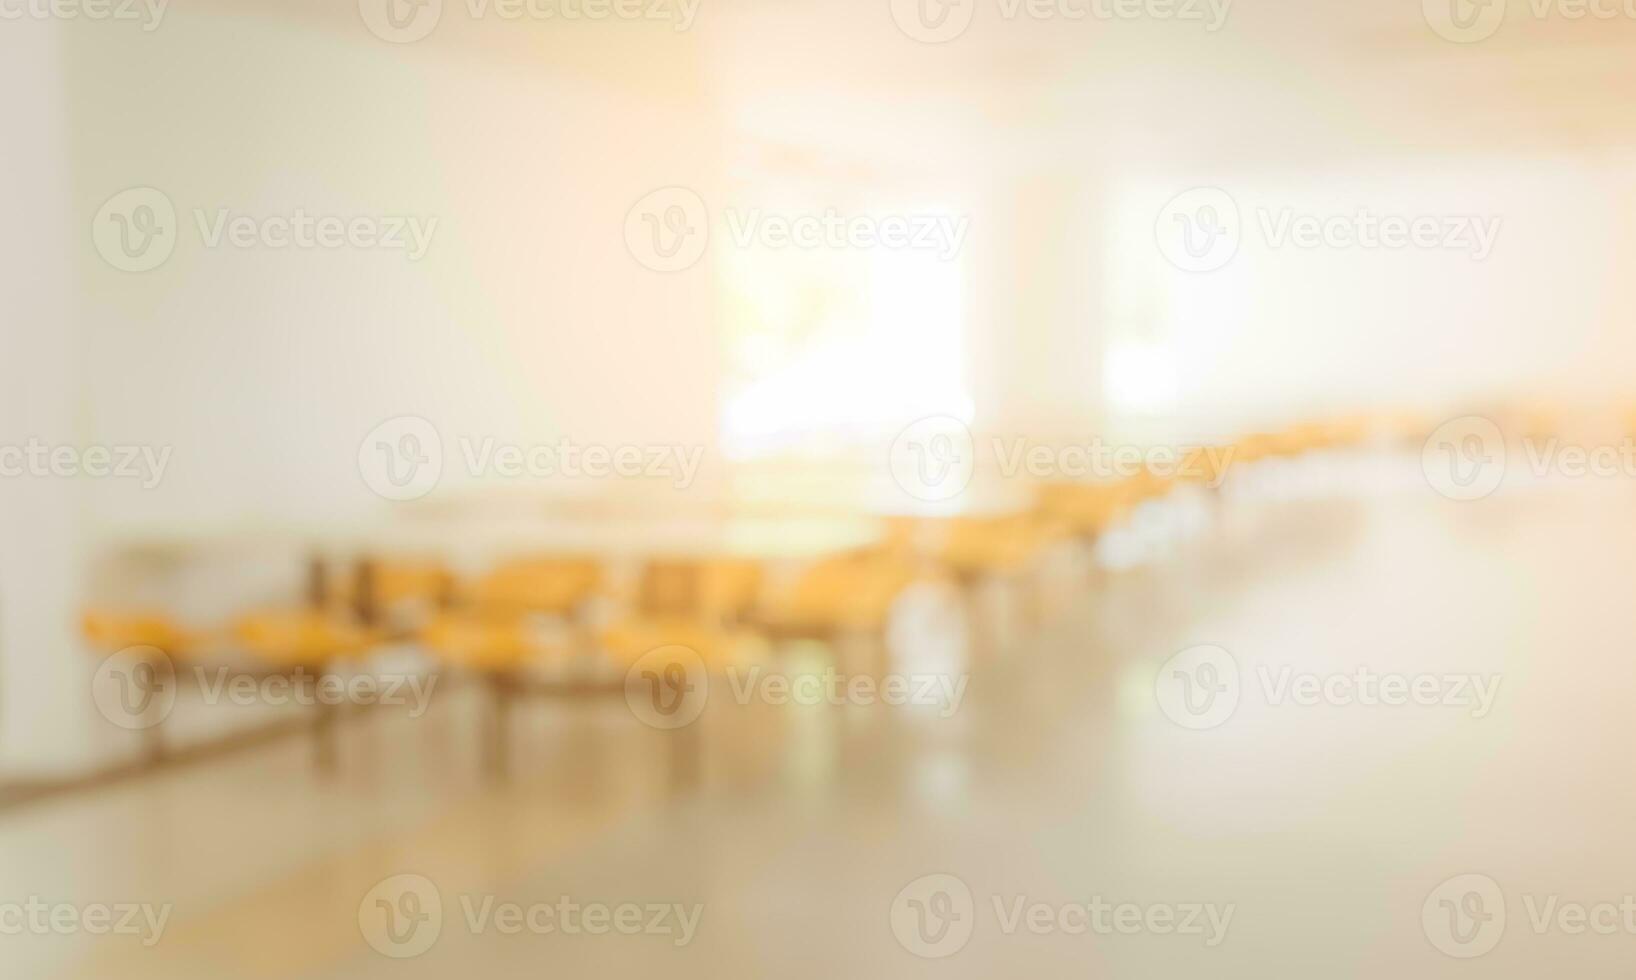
column 1320, row 837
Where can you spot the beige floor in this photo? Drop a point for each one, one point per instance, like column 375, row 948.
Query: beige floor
column 1058, row 781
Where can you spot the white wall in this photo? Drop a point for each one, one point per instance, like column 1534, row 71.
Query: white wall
column 1284, row 332
column 46, row 717
column 528, row 320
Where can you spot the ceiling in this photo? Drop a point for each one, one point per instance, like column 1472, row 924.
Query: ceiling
column 835, row 86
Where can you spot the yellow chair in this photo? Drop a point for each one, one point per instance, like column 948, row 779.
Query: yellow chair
column 1206, row 465
column 495, row 645
column 1541, row 421
column 383, row 587
column 855, row 591
column 1009, row 545
column 692, row 603
column 1297, row 440
column 730, row 589
column 302, row 637
column 1400, row 428
column 1086, row 509
column 902, row 536
column 711, row 590
column 1331, row 434
column 627, row 641
column 307, row 640
column 552, row 586
column 480, row 641
column 1256, row 446
column 109, row 631
column 1144, row 485
column 1348, row 431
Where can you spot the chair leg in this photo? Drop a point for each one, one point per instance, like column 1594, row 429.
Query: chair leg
column 981, row 627
column 882, row 650
column 498, row 742
column 325, row 725
column 1033, row 584
column 154, row 749
column 686, row 755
